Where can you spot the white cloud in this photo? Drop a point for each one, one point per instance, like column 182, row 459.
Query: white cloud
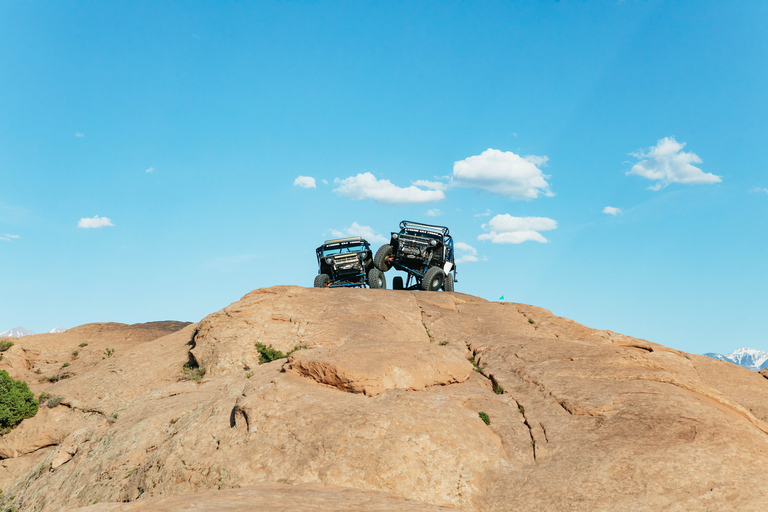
column 78, row 134
column 150, row 170
column 305, row 182
column 432, row 185
column 666, row 162
column 487, row 213
column 506, row 229
column 467, row 253
column 94, row 222
column 356, row 229
column 759, row 190
column 434, row 212
column 610, row 210
column 325, row 182
column 503, row 173
column 366, row 186
column 8, row 237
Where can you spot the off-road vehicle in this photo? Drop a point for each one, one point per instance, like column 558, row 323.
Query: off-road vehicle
column 422, row 251
column 347, row 262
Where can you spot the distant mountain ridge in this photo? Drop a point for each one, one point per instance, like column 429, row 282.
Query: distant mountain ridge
column 16, row 332
column 749, row 358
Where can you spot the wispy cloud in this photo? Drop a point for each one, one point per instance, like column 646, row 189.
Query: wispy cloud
column 467, row 253
column 94, row 222
column 305, row 182
column 666, row 163
column 79, row 134
column 486, row 213
column 504, row 173
column 506, row 229
column 759, row 190
column 434, row 212
column 432, row 185
column 8, row 237
column 366, row 186
column 610, row 210
column 150, row 170
column 356, row 229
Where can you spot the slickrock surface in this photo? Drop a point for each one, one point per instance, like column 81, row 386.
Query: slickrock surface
column 378, row 410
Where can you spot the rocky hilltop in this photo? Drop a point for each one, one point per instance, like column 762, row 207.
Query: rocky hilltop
column 378, row 409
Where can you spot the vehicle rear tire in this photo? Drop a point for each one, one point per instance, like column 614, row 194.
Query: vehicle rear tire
column 381, row 260
column 376, row 279
column 397, row 283
column 433, row 280
column 322, row 280
column 448, row 282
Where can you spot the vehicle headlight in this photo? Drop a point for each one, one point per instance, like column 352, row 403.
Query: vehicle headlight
column 433, row 243
column 394, row 236
column 329, row 261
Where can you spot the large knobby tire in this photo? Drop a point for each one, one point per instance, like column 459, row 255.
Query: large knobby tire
column 448, row 282
column 433, row 279
column 376, row 279
column 397, row 283
column 322, row 280
column 381, row 260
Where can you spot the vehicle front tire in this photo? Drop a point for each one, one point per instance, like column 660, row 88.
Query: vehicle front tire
column 322, row 280
column 397, row 283
column 381, row 260
column 376, row 279
column 433, row 280
column 448, row 282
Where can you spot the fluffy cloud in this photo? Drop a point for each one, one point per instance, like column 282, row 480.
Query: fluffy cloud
column 503, row 173
column 305, row 182
column 366, row 186
column 94, row 222
column 356, row 229
column 8, row 237
column 666, row 163
column 467, row 253
column 610, row 210
column 506, row 229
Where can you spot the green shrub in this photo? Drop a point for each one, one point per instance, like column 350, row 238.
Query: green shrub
column 83, row 345
column 75, row 353
column 65, row 365
column 484, row 417
column 530, row 321
column 267, row 354
column 16, row 402
column 5, row 345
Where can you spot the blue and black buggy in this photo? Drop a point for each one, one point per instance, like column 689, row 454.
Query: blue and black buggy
column 424, row 252
column 347, row 262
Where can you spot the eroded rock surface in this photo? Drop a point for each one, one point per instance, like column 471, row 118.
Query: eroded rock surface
column 381, row 403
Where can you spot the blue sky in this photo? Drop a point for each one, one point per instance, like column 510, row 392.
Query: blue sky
column 151, row 155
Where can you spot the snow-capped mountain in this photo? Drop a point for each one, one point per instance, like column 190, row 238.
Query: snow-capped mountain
column 16, row 332
column 750, row 358
column 56, row 330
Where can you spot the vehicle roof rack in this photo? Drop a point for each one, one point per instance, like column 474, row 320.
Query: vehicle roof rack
column 344, row 240
column 419, row 225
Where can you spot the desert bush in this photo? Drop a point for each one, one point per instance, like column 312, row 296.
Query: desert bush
column 192, row 372
column 5, row 345
column 16, row 402
column 484, row 417
column 54, row 401
column 83, row 345
column 267, row 354
column 108, row 352
column 43, row 397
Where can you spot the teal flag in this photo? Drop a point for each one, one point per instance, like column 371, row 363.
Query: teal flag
column 501, row 298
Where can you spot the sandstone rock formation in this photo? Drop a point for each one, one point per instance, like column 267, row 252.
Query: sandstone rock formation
column 379, row 409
